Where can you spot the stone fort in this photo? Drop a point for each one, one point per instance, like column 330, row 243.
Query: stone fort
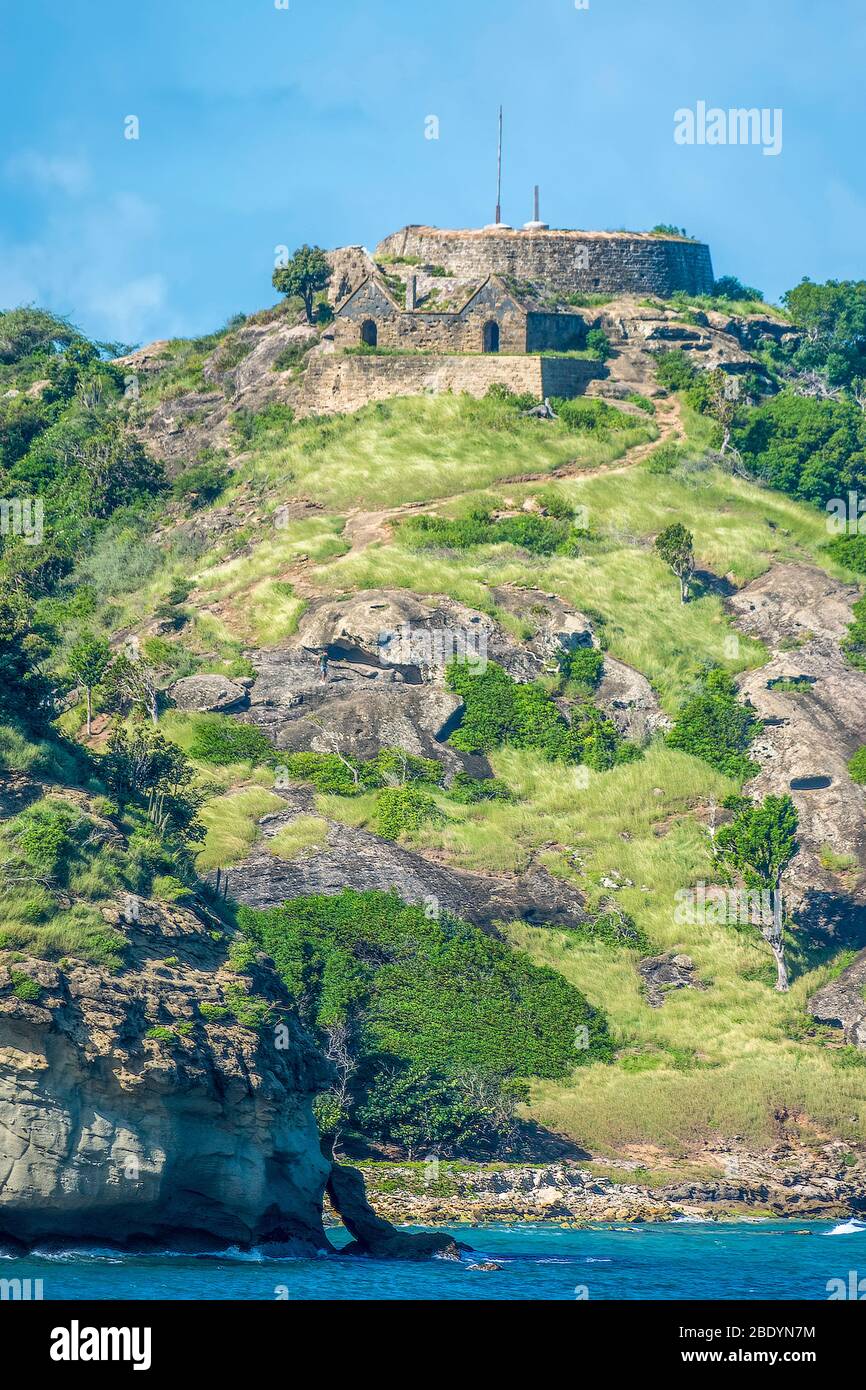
column 444, row 299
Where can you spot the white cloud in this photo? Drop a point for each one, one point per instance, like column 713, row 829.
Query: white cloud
column 95, row 264
column 49, row 172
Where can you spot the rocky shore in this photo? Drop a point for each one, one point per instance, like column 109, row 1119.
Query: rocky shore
column 783, row 1183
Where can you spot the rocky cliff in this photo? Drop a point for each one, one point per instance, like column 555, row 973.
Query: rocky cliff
column 136, row 1109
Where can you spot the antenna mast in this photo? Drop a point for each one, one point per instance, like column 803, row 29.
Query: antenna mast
column 499, row 174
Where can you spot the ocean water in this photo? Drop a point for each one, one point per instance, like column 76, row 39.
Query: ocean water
column 682, row 1260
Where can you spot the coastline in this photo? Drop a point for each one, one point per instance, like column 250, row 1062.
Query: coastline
column 788, row 1186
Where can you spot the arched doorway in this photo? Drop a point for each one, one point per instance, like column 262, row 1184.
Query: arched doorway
column 491, row 337
column 369, row 333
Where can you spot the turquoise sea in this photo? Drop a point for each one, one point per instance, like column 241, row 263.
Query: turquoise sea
column 749, row 1260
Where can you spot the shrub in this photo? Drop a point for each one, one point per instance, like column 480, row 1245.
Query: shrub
column 857, row 766
column 591, row 415
column 666, row 458
column 402, row 809
column 598, row 344
column 854, row 643
column 498, row 710
column 729, row 287
column 201, row 484
column 44, row 835
column 582, row 664
column 30, row 991
column 714, row 725
column 432, row 1002
column 850, row 551
column 541, row 535
column 468, row 790
column 214, row 1013
column 222, row 741
column 674, row 371
column 159, row 1033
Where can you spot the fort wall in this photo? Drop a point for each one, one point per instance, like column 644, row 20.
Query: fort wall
column 572, row 262
column 335, row 383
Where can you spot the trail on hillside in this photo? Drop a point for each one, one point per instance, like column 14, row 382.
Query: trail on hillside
column 364, row 528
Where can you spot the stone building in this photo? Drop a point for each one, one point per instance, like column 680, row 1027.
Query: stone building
column 498, row 289
column 440, row 313
column 563, row 262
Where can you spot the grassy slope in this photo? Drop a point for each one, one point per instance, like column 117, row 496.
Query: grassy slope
column 725, row 1058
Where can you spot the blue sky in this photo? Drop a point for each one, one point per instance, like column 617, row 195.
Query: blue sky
column 262, row 126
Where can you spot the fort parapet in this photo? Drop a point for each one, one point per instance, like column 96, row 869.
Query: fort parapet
column 569, row 262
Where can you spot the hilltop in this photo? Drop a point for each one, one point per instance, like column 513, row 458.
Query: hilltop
column 529, row 982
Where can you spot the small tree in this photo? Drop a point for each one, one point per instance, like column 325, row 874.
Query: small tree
column 132, row 685
column 88, row 662
column 306, row 273
column 759, row 844
column 675, row 545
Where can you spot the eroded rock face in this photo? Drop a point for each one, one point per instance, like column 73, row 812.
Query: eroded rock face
column 350, row 857
column 208, row 693
column 810, row 733
column 199, row 1136
column 664, row 973
column 842, row 1003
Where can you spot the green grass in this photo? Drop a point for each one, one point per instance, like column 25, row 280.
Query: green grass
column 713, row 1062
column 303, row 833
column 416, row 449
column 232, row 825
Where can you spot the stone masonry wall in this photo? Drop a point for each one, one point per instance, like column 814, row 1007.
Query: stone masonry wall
column 337, row 384
column 572, row 262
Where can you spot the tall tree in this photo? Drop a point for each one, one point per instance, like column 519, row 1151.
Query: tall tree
column 88, row 662
column 758, row 845
column 305, row 274
column 675, row 545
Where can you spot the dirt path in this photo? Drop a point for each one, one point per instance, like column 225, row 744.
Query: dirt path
column 365, row 528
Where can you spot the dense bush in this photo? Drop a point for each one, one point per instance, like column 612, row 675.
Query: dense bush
column 581, row 664
column 350, row 776
column 468, row 790
column 714, row 725
column 203, row 483
column 541, row 535
column 435, row 996
column 220, row 740
column 812, row 449
column 401, row 809
column 591, row 415
column 500, row 711
column 674, row 371
column 850, row 551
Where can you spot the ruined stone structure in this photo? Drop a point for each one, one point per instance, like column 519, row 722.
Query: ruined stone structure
column 568, row 262
column 336, row 383
column 453, row 317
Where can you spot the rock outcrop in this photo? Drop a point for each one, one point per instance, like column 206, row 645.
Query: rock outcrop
column 366, row 862
column 136, row 1110
column 813, row 704
column 842, row 1003
column 208, row 693
column 374, row 1236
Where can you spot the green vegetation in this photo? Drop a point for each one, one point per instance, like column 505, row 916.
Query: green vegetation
column 540, row 535
column 305, row 274
column 857, row 765
column 712, row 724
column 431, row 1020
column 500, row 711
